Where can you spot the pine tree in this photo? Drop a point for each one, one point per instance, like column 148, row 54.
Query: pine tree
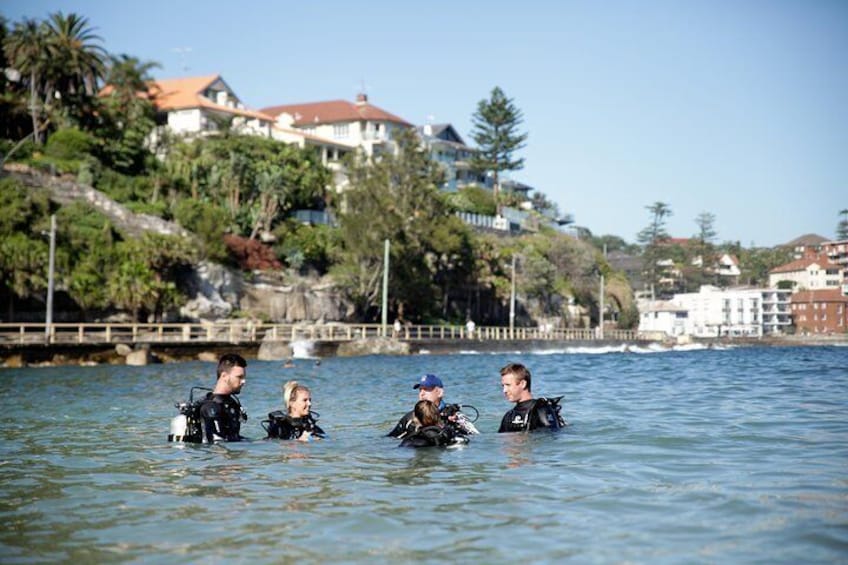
column 495, row 132
column 842, row 226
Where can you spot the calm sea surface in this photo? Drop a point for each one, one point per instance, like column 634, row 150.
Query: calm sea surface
column 706, row 456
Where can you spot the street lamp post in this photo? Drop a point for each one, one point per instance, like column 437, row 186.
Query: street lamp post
column 512, row 303
column 385, row 319
column 48, row 321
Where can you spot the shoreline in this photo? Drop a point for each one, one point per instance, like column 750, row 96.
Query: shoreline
column 40, row 355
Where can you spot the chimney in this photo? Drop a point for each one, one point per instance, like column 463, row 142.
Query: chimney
column 361, row 99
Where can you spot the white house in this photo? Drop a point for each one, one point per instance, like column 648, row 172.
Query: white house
column 664, row 316
column 198, row 105
column 808, row 273
column 353, row 124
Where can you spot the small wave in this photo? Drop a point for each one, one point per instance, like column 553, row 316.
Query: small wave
column 690, row 347
column 302, row 349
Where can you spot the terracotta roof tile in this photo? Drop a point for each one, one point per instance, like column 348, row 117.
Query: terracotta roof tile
column 803, row 263
column 183, row 93
column 820, row 295
column 333, row 111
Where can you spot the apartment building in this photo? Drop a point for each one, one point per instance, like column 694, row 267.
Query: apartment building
column 820, row 311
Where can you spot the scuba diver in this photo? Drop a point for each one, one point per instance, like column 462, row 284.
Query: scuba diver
column 430, row 387
column 298, row 422
column 528, row 413
column 430, row 430
column 218, row 416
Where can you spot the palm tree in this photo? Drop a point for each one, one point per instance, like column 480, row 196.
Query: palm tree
column 129, row 77
column 26, row 48
column 78, row 62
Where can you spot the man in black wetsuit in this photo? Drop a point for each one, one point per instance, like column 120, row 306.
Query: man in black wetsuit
column 528, row 413
column 221, row 411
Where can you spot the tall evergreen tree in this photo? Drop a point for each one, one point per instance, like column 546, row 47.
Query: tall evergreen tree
column 652, row 237
column 496, row 134
column 842, row 226
column 705, row 237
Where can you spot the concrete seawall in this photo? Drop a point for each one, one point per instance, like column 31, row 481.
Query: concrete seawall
column 19, row 355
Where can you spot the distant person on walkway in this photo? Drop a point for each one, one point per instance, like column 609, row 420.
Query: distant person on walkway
column 396, row 328
column 430, row 430
column 430, row 387
column 529, row 413
column 221, row 412
column 298, row 421
column 470, row 326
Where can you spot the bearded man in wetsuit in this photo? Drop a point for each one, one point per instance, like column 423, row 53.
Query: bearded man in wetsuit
column 528, row 413
column 221, row 411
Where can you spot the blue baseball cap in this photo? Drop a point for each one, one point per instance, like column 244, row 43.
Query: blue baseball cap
column 428, row 381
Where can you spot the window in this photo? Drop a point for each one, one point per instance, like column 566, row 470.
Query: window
column 341, row 130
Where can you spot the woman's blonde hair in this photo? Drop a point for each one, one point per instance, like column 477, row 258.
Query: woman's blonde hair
column 290, row 391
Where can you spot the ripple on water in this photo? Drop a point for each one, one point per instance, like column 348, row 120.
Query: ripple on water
column 671, row 457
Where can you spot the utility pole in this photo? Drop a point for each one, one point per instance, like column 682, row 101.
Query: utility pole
column 512, row 303
column 601, row 305
column 385, row 287
column 52, row 262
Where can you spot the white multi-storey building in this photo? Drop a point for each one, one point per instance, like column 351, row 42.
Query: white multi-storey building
column 714, row 312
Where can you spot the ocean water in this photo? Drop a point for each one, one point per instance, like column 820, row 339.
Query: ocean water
column 690, row 456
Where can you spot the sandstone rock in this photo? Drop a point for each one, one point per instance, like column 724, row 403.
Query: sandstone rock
column 123, row 349
column 274, row 351
column 140, row 357
column 373, row 346
column 207, row 356
column 14, row 362
column 215, row 291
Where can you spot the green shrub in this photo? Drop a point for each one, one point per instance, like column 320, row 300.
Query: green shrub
column 207, row 221
column 69, row 144
column 159, row 208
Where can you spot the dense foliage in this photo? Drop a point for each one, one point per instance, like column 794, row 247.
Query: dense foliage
column 74, row 109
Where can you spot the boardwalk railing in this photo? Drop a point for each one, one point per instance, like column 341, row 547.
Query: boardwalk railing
column 247, row 332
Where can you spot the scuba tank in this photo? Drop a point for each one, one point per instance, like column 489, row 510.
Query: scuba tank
column 179, row 428
column 186, row 427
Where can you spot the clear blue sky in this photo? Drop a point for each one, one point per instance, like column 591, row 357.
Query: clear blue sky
column 739, row 108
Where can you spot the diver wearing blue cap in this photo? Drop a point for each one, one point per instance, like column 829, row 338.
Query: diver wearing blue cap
column 430, row 387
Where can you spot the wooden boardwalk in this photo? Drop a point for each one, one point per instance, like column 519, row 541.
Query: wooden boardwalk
column 246, row 332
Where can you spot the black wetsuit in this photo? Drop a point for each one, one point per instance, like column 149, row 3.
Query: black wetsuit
column 221, row 416
column 434, row 436
column 283, row 426
column 533, row 414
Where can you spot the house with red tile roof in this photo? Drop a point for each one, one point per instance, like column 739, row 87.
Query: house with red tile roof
column 200, row 105
column 353, row 124
column 820, row 311
column 808, row 273
column 191, row 106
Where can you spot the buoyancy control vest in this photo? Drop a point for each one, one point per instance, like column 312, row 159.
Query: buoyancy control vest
column 213, row 417
column 434, row 436
column 280, row 425
column 533, row 414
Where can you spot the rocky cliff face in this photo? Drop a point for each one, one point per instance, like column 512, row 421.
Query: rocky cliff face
column 216, row 291
column 300, row 300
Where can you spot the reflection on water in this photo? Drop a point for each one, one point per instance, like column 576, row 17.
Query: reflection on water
column 705, row 456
